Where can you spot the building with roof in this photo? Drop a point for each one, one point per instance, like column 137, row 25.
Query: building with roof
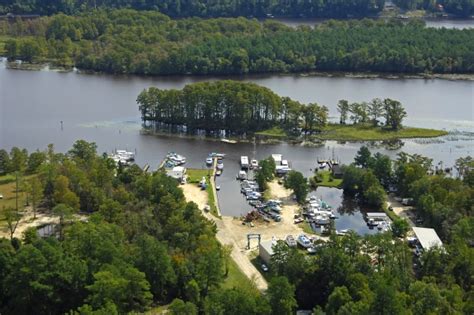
column 427, row 237
column 265, row 250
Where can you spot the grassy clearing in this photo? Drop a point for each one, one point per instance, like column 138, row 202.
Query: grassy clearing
column 236, row 278
column 195, row 176
column 370, row 133
column 276, row 132
column 328, row 180
column 360, row 132
column 7, row 189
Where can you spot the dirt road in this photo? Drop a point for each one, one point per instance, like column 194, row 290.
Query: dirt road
column 232, row 232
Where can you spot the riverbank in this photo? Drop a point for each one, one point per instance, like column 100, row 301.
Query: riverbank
column 51, row 66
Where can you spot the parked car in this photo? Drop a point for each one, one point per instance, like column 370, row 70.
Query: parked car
column 1, row 196
column 264, row 268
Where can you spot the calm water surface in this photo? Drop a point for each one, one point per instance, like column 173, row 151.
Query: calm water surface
column 102, row 109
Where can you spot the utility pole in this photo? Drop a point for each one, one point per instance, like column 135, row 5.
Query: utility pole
column 16, row 191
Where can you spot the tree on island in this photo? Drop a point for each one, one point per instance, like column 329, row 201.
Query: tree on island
column 343, row 109
column 394, row 114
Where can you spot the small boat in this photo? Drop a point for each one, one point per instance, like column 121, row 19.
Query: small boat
column 242, row 175
column 218, row 172
column 218, row 187
column 220, row 166
column 254, row 164
column 322, row 220
column 304, row 241
column 209, row 160
column 290, row 241
column 176, row 158
column 217, row 155
column 229, row 141
column 311, row 250
column 322, row 165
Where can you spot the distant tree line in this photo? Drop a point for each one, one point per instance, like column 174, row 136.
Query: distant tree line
column 236, row 107
column 462, row 8
column 360, row 113
column 204, row 8
column 128, row 41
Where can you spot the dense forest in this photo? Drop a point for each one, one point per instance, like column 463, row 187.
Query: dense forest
column 234, row 8
column 141, row 244
column 236, row 107
column 205, row 8
column 127, row 41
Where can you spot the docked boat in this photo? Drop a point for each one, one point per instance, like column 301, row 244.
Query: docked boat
column 217, row 155
column 290, row 241
column 220, row 166
column 303, row 241
column 242, row 175
column 218, row 172
column 176, row 158
column 209, row 160
column 254, row 164
column 126, row 155
column 244, row 162
column 322, row 219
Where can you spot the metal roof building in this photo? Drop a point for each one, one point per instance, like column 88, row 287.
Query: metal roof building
column 427, row 237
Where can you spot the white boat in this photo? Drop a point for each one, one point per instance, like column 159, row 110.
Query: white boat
column 209, row 161
column 126, row 155
column 242, row 175
column 218, row 187
column 254, row 164
column 176, row 158
column 322, row 220
column 220, row 166
column 244, row 162
column 228, row 141
column 304, row 241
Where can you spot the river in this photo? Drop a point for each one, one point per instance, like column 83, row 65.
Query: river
column 102, row 108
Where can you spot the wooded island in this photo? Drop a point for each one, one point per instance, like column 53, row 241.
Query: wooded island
column 242, row 108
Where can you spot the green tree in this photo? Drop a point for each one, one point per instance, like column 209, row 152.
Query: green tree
column 363, row 157
column 36, row 193
column 5, row 166
column 394, row 114
column 299, row 184
column 343, row 109
column 126, row 287
column 375, row 110
column 337, row 299
column 179, row 307
column 400, row 227
column 281, row 295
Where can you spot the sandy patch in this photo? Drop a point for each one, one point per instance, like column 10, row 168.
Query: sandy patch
column 194, row 193
column 278, row 191
column 400, row 210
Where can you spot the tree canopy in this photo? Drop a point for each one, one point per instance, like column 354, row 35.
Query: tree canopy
column 150, row 43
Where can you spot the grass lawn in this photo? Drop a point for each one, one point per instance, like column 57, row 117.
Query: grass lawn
column 276, row 132
column 195, row 176
column 370, row 133
column 328, row 180
column 236, row 278
column 360, row 132
column 7, row 189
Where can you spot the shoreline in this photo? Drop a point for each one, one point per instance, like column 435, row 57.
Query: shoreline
column 324, row 74
column 314, row 140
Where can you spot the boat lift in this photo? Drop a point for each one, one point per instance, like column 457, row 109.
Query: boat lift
column 253, row 236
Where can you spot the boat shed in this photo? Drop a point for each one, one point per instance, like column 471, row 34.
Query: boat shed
column 177, row 172
column 378, row 216
column 265, row 250
column 427, row 237
column 337, row 171
column 277, row 158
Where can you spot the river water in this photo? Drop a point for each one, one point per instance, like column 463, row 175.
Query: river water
column 102, row 108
